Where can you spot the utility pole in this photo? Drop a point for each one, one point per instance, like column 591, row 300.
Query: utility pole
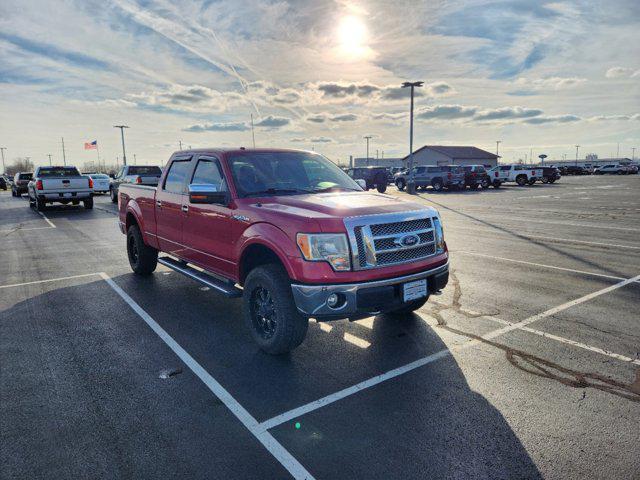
column 64, row 156
column 124, row 154
column 498, row 142
column 633, row 154
column 577, row 147
column 411, row 186
column 4, row 168
column 367, row 138
column 135, row 160
column 180, row 144
column 49, row 155
column 253, row 133
column 618, row 151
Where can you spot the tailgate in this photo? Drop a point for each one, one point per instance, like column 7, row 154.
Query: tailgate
column 64, row 184
column 149, row 180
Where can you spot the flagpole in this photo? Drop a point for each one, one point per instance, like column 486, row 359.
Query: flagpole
column 98, row 150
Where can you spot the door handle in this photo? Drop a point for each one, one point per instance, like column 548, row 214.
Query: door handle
column 185, row 208
column 159, row 203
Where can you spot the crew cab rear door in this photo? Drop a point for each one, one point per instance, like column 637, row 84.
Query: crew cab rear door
column 170, row 200
column 208, row 228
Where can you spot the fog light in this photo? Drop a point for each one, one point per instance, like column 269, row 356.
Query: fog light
column 332, row 300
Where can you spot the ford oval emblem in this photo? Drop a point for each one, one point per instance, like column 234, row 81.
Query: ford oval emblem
column 409, row 240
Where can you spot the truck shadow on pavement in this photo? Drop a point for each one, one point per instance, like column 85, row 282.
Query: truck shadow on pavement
column 426, row 423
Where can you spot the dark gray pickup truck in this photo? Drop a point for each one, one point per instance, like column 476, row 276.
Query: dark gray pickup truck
column 136, row 174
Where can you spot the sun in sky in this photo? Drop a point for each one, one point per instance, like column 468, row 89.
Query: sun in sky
column 352, row 37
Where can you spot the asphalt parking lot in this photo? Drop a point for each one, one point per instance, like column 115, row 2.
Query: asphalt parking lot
column 526, row 366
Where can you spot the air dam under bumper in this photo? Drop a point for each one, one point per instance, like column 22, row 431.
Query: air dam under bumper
column 363, row 299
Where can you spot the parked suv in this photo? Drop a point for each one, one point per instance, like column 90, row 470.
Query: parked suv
column 573, row 170
column 550, row 174
column 611, row 169
column 139, row 174
column 20, row 182
column 293, row 230
column 475, row 176
column 438, row 177
column 375, row 177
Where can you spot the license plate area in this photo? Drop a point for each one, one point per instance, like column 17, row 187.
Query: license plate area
column 414, row 290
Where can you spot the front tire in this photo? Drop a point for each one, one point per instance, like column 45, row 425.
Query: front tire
column 437, row 185
column 381, row 187
column 113, row 195
column 400, row 184
column 521, row 180
column 270, row 312
column 143, row 259
column 496, row 183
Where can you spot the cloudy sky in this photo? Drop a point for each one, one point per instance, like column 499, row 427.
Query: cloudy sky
column 321, row 74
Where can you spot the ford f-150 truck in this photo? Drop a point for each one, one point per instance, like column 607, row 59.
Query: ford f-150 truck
column 521, row 174
column 290, row 233
column 60, row 184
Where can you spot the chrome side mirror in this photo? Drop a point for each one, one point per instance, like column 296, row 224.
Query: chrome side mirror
column 207, row 193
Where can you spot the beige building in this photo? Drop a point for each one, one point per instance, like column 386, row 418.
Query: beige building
column 452, row 155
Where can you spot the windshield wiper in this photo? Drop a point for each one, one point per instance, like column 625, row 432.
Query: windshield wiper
column 277, row 191
column 335, row 187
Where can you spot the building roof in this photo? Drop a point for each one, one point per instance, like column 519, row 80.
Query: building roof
column 459, row 152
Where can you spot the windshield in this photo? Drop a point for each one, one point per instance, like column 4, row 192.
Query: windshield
column 136, row 170
column 287, row 173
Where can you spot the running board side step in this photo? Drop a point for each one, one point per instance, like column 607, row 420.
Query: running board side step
column 228, row 289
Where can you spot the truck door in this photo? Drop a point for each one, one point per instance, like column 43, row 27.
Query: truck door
column 170, row 200
column 207, row 226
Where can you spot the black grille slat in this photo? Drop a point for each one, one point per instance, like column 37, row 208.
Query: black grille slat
column 360, row 243
column 400, row 227
column 405, row 255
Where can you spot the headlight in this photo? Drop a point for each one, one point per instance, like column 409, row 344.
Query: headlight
column 438, row 235
column 325, row 247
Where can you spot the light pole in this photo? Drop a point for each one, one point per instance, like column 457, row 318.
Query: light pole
column 367, row 138
column 498, row 142
column 633, row 154
column 49, row 155
column 4, row 169
column 411, row 185
column 124, row 154
column 577, row 147
column 180, row 143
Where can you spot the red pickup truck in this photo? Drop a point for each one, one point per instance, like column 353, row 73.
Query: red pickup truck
column 290, row 233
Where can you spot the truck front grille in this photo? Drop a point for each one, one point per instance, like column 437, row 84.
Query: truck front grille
column 389, row 239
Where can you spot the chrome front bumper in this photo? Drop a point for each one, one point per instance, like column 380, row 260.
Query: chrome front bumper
column 311, row 300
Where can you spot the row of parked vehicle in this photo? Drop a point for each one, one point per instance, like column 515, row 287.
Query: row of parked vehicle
column 66, row 185
column 609, row 169
column 454, row 177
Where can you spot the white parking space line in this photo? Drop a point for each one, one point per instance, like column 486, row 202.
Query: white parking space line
column 47, row 220
column 551, row 336
column 274, row 447
column 357, row 341
column 48, row 280
column 19, row 229
column 553, row 267
column 546, row 239
column 334, row 397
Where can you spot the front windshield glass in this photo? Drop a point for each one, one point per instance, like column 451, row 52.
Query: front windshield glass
column 287, row 173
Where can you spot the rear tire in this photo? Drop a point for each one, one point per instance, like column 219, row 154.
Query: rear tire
column 531, row 181
column 400, row 184
column 41, row 205
column 437, row 184
column 486, row 183
column 142, row 258
column 521, row 180
column 88, row 204
column 381, row 187
column 409, row 307
column 270, row 312
column 497, row 184
column 113, row 195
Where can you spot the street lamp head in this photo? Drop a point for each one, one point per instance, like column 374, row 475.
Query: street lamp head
column 120, row 126
column 412, row 84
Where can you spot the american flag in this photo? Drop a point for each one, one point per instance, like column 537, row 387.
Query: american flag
column 91, row 145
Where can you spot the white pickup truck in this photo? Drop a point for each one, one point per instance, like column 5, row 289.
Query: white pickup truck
column 521, row 174
column 59, row 184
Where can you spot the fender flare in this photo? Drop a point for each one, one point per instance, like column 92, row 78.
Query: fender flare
column 271, row 237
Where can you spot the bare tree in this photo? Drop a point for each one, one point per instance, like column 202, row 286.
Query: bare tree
column 20, row 164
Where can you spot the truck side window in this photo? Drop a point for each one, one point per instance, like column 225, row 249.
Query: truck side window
column 176, row 176
column 208, row 172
